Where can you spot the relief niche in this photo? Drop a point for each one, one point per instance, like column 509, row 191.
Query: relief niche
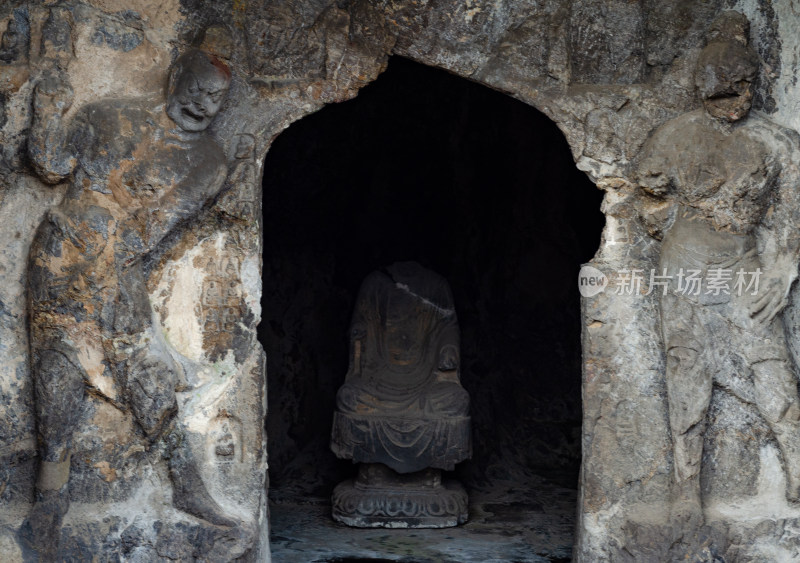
column 131, row 380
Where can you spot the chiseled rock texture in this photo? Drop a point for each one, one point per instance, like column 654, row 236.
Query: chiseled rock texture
column 609, row 73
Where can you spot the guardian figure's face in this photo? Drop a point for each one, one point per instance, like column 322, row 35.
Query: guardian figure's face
column 198, row 84
column 724, row 77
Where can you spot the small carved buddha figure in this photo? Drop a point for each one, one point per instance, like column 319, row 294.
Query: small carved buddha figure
column 402, row 412
column 14, row 70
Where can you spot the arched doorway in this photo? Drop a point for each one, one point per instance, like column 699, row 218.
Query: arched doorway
column 481, row 188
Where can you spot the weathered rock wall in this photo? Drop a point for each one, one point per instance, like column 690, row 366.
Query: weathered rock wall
column 608, row 73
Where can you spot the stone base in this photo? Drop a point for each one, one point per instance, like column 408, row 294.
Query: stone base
column 382, row 498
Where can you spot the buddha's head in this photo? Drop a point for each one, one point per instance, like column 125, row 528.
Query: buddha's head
column 727, row 68
column 198, row 83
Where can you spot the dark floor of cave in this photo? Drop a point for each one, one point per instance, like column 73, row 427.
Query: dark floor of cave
column 482, row 189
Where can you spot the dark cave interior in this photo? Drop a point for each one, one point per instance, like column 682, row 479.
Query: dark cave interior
column 475, row 185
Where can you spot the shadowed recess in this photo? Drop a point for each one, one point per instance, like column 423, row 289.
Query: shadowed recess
column 472, row 184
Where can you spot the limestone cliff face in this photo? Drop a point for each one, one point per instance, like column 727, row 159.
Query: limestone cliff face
column 608, row 73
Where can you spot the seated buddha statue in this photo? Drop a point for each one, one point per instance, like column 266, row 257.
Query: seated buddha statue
column 402, row 412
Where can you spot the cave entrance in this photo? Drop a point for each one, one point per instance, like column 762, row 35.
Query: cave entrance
column 482, row 189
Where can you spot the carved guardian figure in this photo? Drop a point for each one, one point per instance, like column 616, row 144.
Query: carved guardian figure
column 402, row 413
column 137, row 170
column 732, row 177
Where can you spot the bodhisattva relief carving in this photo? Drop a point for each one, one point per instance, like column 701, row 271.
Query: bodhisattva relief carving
column 733, row 181
column 136, row 170
column 402, row 413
